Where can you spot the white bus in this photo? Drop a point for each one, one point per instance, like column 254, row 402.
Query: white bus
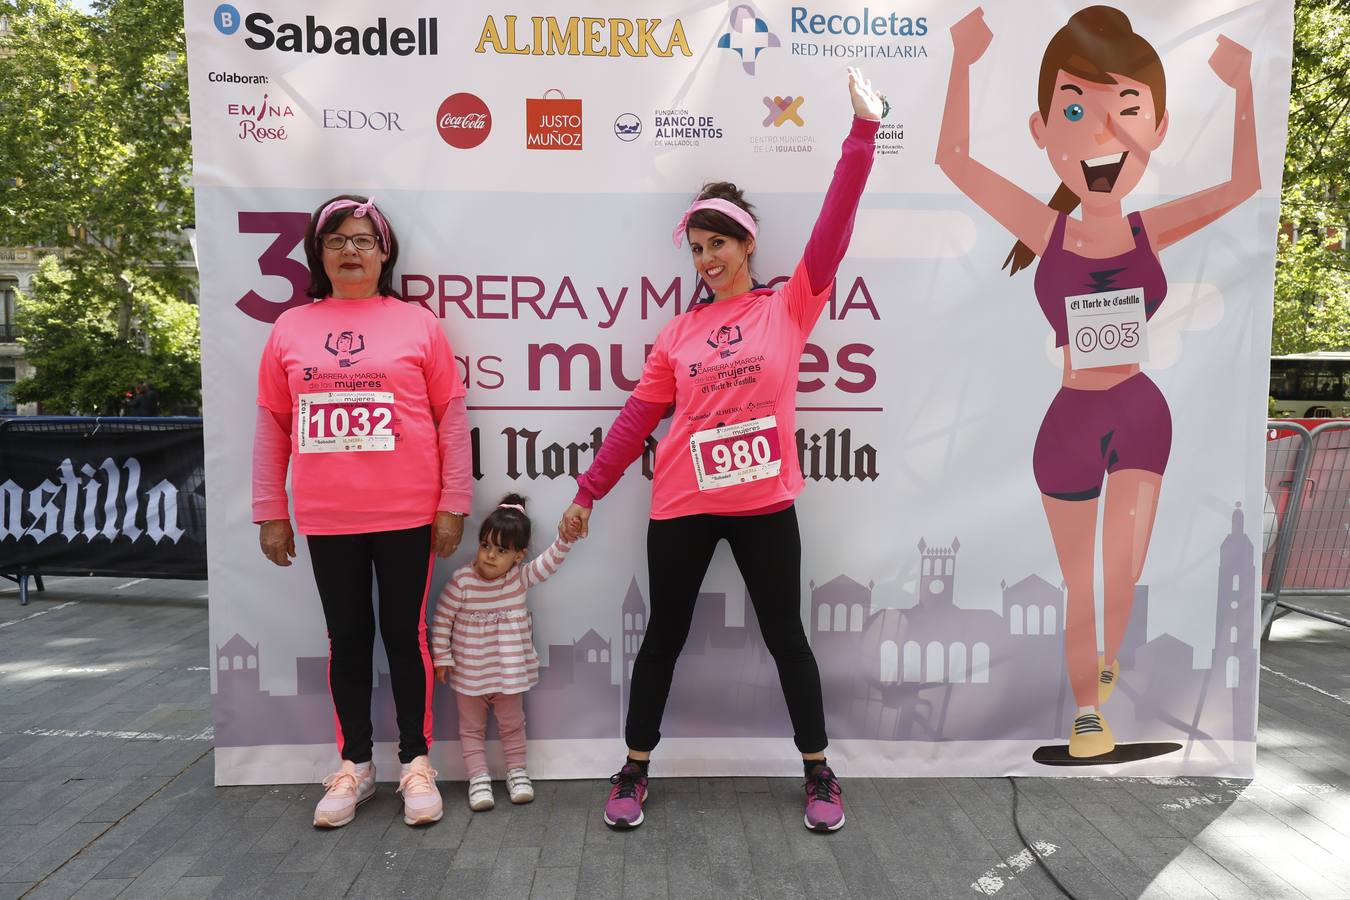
column 1311, row 385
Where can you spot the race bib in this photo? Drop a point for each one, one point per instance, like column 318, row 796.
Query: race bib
column 1107, row 329
column 735, row 454
column 347, row 421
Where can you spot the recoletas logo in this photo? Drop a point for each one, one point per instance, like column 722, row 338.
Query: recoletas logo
column 377, row 38
column 747, row 34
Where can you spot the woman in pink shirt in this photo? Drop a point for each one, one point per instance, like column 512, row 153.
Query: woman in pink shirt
column 378, row 447
column 727, row 469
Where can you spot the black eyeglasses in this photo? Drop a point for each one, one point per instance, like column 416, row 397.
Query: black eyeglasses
column 335, row 241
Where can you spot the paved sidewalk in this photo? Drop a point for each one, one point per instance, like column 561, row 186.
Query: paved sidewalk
column 106, row 791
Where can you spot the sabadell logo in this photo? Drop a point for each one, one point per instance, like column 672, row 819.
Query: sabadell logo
column 374, row 39
column 464, row 121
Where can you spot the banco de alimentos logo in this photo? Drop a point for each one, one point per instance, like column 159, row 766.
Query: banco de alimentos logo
column 748, row 34
column 312, row 36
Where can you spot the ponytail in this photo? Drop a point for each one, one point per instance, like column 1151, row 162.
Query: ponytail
column 1021, row 256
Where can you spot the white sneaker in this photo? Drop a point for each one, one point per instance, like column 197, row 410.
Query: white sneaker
column 480, row 793
column 421, row 798
column 348, row 787
column 518, row 783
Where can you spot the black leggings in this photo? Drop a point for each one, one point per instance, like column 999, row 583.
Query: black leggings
column 402, row 562
column 768, row 551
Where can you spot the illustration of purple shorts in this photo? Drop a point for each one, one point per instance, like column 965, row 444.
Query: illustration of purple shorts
column 1086, row 434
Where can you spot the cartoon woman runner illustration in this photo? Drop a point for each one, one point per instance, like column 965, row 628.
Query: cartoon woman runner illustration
column 1101, row 113
column 344, row 351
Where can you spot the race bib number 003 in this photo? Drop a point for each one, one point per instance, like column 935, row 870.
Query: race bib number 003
column 735, row 454
column 346, row 421
column 1107, row 329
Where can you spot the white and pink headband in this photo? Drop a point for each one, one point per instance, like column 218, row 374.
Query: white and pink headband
column 726, row 207
column 362, row 209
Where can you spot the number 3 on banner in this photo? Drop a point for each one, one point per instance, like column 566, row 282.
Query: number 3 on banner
column 289, row 227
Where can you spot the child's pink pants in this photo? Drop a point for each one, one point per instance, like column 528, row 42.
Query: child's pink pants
column 473, row 716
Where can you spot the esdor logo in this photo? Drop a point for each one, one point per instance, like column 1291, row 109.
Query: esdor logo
column 464, row 121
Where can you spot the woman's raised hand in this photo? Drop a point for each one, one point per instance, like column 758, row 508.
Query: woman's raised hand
column 1232, row 62
column 970, row 38
column 867, row 103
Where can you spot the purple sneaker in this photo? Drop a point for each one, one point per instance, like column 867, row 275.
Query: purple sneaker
column 824, row 801
column 623, row 809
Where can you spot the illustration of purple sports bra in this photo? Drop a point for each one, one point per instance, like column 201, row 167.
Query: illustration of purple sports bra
column 1069, row 285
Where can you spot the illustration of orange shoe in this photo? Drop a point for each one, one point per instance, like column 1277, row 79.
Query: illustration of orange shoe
column 1091, row 736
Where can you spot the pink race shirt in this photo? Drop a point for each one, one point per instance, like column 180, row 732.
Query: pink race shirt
column 359, row 379
column 730, row 368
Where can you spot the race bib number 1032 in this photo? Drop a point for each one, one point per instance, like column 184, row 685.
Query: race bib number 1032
column 347, row 421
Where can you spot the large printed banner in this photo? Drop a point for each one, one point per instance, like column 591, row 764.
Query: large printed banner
column 955, row 423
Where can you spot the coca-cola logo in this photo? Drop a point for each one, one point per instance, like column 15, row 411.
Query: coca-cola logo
column 464, row 121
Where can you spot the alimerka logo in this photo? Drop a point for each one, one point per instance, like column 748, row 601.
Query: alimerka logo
column 583, row 36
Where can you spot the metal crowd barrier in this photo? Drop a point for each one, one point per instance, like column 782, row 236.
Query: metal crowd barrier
column 1307, row 518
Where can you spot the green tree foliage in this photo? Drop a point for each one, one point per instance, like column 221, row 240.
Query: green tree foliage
column 85, row 366
column 1312, row 276
column 96, row 146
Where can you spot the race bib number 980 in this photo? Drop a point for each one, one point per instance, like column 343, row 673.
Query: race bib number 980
column 735, row 454
column 1107, row 329
column 346, row 421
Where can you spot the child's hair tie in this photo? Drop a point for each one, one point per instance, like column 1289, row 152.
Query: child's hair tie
column 510, row 506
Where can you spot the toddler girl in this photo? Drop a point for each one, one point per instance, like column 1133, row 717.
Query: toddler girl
column 482, row 646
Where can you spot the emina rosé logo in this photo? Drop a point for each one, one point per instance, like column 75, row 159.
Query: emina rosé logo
column 463, row 121
column 263, row 121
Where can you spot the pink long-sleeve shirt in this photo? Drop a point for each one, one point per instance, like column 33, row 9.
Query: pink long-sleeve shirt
column 731, row 368
column 482, row 629
column 375, row 430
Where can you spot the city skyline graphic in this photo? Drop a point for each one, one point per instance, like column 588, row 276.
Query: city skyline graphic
column 930, row 671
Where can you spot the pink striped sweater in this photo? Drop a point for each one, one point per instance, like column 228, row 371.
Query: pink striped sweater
column 481, row 629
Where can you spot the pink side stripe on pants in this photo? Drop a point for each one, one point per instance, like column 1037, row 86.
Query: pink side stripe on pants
column 473, row 715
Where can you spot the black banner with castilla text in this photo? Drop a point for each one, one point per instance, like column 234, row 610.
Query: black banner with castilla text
column 102, row 497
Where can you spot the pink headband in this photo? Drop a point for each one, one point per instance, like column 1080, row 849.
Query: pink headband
column 510, row 506
column 362, row 209
column 726, row 207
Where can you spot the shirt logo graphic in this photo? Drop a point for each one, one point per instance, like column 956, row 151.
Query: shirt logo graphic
column 345, row 351
column 724, row 339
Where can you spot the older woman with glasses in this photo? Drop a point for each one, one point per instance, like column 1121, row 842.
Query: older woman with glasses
column 358, row 394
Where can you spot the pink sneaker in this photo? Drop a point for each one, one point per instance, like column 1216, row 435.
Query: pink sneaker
column 348, row 788
column 421, row 797
column 623, row 809
column 824, row 801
